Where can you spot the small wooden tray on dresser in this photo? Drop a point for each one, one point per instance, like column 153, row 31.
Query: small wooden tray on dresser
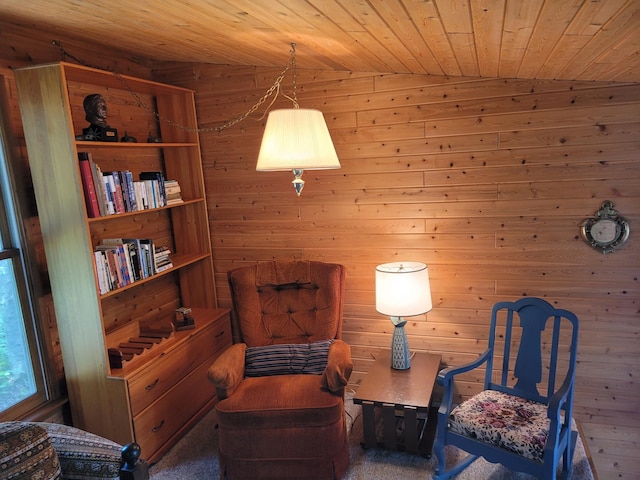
column 151, row 336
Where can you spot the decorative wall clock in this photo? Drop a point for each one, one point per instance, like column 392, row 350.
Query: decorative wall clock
column 606, row 230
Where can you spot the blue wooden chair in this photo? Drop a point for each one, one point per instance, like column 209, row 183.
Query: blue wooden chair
column 532, row 345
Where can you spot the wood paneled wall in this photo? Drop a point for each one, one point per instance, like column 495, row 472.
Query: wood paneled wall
column 486, row 181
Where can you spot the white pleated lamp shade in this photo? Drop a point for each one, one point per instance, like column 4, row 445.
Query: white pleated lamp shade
column 296, row 138
column 403, row 289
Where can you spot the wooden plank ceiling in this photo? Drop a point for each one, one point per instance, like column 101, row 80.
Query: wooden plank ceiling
column 545, row 39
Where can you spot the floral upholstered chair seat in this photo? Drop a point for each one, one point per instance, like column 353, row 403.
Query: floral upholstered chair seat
column 513, row 423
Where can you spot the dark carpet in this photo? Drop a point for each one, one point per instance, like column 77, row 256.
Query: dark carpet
column 194, row 458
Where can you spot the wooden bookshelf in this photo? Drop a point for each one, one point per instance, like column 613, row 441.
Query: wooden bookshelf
column 104, row 398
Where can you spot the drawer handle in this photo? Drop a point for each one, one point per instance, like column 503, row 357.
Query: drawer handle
column 220, row 334
column 153, row 385
column 155, row 429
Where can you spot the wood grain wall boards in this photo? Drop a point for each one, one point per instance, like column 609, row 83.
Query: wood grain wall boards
column 496, row 215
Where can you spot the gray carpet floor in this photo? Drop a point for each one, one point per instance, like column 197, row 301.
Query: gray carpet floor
column 194, row 458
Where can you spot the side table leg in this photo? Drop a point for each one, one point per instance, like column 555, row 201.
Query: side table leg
column 369, row 424
column 411, row 429
column 429, row 435
column 389, row 426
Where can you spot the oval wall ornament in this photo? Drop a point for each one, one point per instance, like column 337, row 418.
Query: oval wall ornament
column 606, row 230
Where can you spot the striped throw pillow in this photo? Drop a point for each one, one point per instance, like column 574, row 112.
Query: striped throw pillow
column 287, row 359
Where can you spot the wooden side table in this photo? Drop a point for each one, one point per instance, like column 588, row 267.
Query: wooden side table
column 400, row 397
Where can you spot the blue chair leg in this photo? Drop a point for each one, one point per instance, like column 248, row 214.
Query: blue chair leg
column 567, row 458
column 438, row 449
column 441, row 472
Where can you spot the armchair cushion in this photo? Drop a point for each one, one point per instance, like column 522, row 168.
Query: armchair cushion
column 283, row 302
column 513, row 423
column 282, row 273
column 26, row 452
column 303, row 358
column 280, row 402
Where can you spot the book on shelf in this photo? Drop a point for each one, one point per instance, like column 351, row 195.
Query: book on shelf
column 123, row 257
column 125, row 180
column 108, row 193
column 162, row 259
column 88, row 185
column 148, row 256
column 155, row 180
column 114, row 265
column 122, row 261
column 173, row 192
column 135, row 254
column 99, row 186
column 118, row 195
column 109, row 187
column 103, row 277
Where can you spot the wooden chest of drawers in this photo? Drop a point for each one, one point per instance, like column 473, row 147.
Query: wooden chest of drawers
column 171, row 393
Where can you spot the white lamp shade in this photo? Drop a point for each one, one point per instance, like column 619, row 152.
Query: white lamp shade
column 296, row 138
column 402, row 289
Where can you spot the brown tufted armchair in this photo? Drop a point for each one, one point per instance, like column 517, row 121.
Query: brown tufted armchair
column 281, row 385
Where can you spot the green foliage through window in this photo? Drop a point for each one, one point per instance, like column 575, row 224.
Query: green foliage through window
column 16, row 371
column 22, row 380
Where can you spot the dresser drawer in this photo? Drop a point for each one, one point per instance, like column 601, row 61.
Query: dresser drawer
column 153, row 381
column 157, row 424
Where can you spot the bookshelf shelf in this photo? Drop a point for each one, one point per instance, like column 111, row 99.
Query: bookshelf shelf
column 104, row 397
column 179, row 262
column 116, row 216
column 82, row 144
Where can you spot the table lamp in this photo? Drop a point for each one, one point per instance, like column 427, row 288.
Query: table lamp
column 402, row 290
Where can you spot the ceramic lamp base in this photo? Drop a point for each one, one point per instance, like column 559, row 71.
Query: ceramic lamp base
column 400, row 357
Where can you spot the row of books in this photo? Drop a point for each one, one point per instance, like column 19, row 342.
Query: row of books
column 121, row 261
column 108, row 193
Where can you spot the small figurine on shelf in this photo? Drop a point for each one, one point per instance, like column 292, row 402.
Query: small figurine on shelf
column 184, row 320
column 95, row 109
column 153, row 139
column 128, row 138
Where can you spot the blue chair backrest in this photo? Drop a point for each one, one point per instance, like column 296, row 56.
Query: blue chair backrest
column 533, row 349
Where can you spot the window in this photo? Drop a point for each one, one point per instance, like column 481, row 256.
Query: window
column 22, row 382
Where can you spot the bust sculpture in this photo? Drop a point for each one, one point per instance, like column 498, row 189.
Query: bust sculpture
column 95, row 109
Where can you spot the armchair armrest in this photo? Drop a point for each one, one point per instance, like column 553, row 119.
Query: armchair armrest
column 446, row 374
column 339, row 367
column 227, row 371
column 559, row 428
column 445, row 378
column 558, row 400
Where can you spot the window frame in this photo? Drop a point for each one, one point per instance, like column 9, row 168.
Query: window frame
column 16, row 247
